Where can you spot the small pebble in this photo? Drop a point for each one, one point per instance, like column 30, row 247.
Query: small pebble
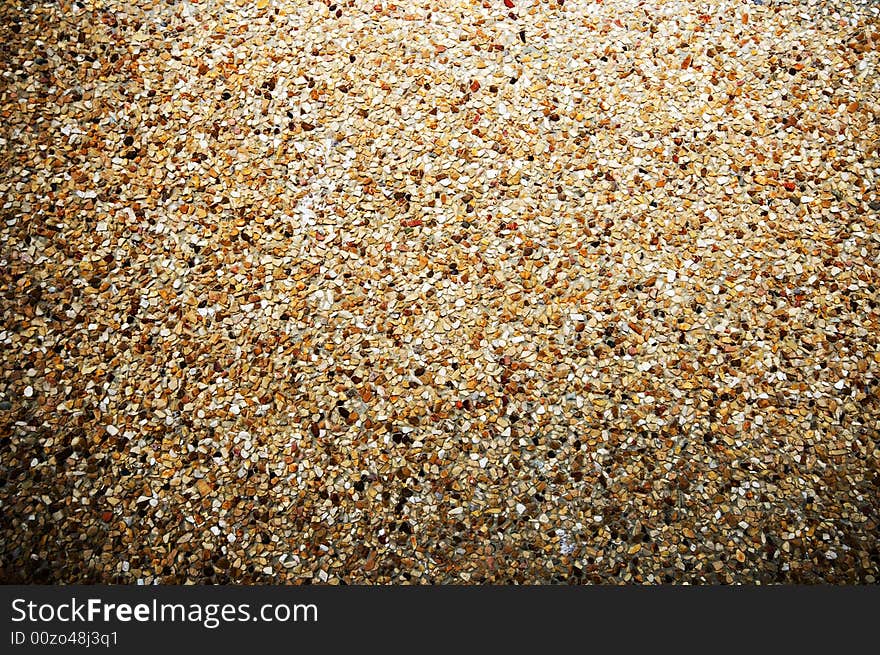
column 431, row 293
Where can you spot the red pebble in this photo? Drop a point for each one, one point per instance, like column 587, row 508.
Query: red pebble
column 509, row 4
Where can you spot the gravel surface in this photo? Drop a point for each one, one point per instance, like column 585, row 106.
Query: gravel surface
column 439, row 292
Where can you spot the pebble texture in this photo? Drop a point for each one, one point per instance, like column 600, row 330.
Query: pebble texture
column 439, row 292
